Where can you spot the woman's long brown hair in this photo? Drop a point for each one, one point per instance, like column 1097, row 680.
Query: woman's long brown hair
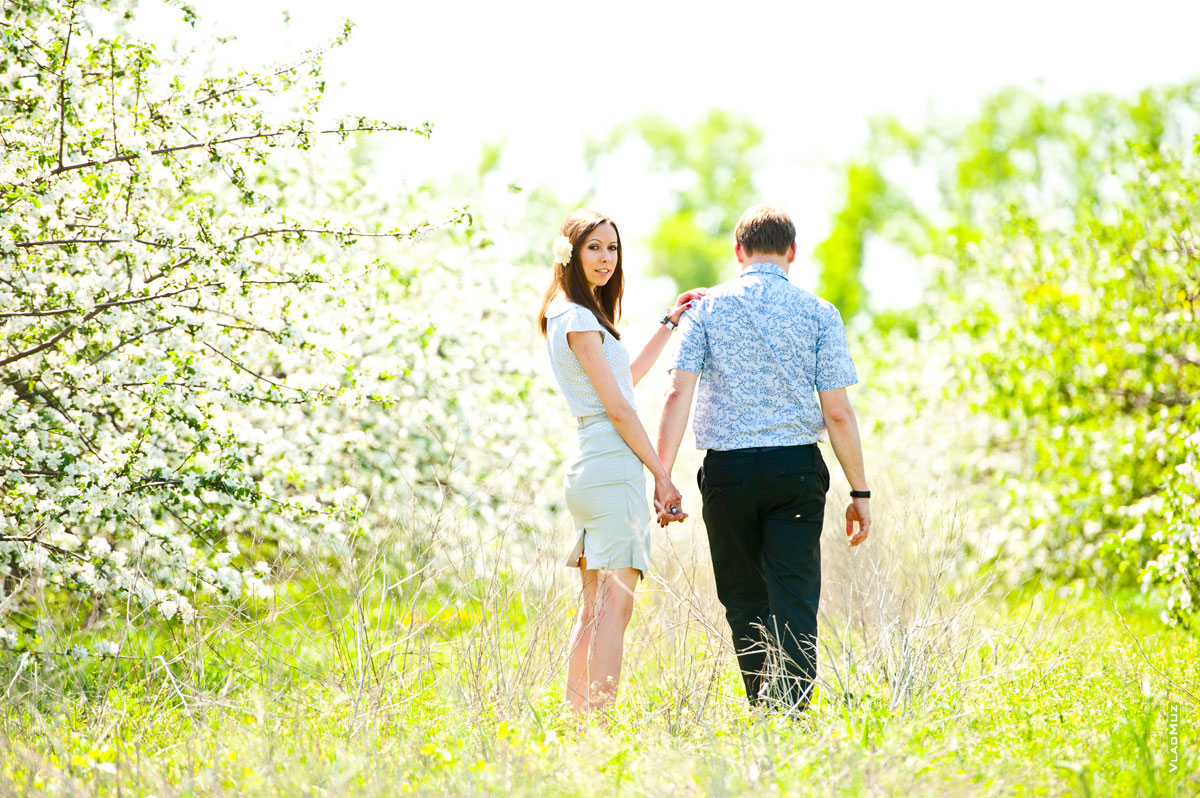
column 571, row 282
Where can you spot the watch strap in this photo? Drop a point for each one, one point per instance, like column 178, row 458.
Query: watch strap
column 860, row 494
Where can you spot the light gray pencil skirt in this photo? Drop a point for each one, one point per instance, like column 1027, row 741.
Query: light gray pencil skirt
column 606, row 496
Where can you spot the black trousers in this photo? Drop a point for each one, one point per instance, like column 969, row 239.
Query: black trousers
column 763, row 509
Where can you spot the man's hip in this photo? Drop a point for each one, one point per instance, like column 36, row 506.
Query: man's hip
column 757, row 473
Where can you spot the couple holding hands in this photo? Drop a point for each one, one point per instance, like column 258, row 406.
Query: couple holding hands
column 772, row 365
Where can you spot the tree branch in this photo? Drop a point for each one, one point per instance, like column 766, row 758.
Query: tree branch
column 257, row 81
column 1137, row 399
column 331, row 231
column 96, row 311
column 51, row 342
column 68, row 241
column 214, row 142
column 138, row 300
column 251, row 372
column 57, row 242
column 58, row 312
column 43, row 544
column 62, row 87
column 137, row 337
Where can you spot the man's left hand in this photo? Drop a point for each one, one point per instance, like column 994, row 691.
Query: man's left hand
column 858, row 520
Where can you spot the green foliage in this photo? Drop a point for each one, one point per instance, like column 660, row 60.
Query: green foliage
column 685, row 251
column 714, row 161
column 1065, row 235
column 841, row 253
column 1177, row 540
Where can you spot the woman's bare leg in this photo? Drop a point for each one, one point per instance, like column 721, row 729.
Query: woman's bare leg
column 581, row 641
column 598, row 640
column 614, row 603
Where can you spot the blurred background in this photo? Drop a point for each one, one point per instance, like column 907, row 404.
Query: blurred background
column 571, row 98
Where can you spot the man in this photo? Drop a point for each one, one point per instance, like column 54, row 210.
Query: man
column 764, row 351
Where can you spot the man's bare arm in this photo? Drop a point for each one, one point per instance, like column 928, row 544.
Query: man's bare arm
column 847, row 446
column 673, row 421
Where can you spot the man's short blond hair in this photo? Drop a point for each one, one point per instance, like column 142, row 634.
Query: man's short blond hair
column 764, row 230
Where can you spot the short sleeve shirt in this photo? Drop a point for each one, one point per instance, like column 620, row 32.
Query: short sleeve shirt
column 563, row 317
column 763, row 347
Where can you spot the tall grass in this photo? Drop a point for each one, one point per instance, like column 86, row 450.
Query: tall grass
column 434, row 664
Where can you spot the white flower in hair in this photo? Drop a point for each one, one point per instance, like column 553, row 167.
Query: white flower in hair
column 562, row 251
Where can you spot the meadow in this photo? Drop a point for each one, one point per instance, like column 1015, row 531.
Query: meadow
column 367, row 685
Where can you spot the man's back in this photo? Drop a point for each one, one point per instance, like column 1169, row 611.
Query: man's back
column 763, row 347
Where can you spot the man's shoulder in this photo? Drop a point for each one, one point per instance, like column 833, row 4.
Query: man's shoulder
column 808, row 303
column 820, row 305
column 706, row 304
column 722, row 293
column 737, row 289
column 727, row 288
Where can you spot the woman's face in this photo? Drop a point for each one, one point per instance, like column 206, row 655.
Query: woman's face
column 599, row 255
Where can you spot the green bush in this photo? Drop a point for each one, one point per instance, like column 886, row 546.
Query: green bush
column 1059, row 245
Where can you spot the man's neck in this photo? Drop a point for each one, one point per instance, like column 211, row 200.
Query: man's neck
column 779, row 260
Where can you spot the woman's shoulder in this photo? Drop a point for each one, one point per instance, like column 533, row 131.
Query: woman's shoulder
column 560, row 307
column 575, row 316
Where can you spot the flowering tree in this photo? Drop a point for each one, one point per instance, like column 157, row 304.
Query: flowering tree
column 204, row 362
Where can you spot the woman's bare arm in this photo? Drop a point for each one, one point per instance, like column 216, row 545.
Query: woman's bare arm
column 589, row 348
column 646, row 358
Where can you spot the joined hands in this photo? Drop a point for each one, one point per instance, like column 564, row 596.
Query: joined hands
column 668, row 501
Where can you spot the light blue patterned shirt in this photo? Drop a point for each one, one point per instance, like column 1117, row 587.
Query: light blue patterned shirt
column 763, row 347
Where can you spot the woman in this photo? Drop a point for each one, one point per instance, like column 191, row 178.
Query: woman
column 605, row 485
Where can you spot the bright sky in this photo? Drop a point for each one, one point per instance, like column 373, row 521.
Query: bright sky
column 543, row 75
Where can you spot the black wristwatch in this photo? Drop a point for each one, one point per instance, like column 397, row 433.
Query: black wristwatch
column 666, row 319
column 860, row 494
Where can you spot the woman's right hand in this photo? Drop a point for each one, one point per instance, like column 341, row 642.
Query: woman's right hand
column 684, row 302
column 666, row 496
